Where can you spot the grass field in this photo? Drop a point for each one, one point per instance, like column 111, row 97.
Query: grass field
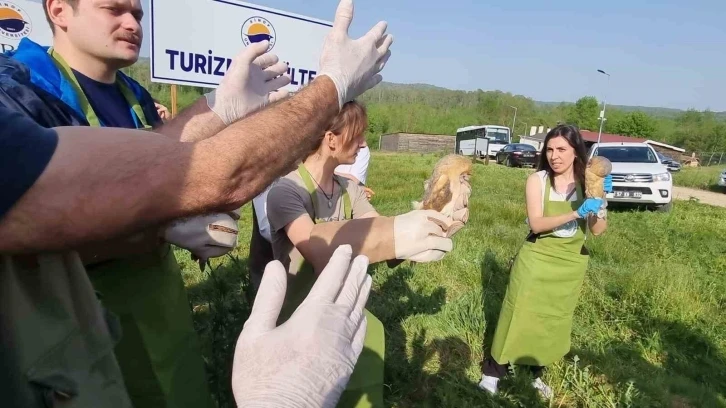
column 649, row 331
column 704, row 178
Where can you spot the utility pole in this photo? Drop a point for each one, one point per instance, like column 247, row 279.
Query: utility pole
column 602, row 113
column 515, row 117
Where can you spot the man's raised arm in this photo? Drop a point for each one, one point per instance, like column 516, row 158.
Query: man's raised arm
column 99, row 187
column 244, row 89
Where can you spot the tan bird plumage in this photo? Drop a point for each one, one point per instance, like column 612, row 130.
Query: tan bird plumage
column 448, row 189
column 597, row 169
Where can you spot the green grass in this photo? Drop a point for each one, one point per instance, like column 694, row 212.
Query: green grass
column 649, row 331
column 704, row 178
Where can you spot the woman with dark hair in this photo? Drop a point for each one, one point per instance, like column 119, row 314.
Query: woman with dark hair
column 535, row 322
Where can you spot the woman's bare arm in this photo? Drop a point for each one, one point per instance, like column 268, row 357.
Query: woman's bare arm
column 538, row 223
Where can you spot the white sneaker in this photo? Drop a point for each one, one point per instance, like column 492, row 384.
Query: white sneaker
column 544, row 389
column 489, row 384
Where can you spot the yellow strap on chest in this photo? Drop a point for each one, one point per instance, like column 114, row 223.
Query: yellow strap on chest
column 310, row 187
column 86, row 107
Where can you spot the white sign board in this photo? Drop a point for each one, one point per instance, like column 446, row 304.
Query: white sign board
column 20, row 19
column 193, row 42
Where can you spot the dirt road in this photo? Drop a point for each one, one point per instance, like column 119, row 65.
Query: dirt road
column 704, row 197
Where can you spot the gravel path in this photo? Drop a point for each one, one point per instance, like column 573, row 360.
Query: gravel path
column 705, row 197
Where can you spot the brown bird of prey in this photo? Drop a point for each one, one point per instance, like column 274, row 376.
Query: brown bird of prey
column 448, row 190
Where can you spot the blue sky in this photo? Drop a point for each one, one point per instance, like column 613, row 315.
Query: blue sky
column 670, row 55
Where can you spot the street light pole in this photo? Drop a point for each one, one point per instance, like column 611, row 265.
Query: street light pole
column 515, row 116
column 602, row 113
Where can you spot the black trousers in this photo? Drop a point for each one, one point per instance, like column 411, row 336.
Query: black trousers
column 493, row 369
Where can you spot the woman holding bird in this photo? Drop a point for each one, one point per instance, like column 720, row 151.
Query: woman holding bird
column 535, row 321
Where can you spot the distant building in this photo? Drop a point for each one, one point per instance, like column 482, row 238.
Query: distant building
column 417, row 143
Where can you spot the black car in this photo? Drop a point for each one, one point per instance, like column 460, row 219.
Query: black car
column 670, row 163
column 518, row 155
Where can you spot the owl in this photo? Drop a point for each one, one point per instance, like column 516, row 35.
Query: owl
column 597, row 169
column 448, row 189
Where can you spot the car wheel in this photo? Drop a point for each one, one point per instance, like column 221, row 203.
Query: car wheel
column 509, row 162
column 665, row 207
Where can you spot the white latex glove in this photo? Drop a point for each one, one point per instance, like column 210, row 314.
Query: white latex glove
column 308, row 360
column 252, row 81
column 461, row 206
column 353, row 65
column 420, row 236
column 206, row 236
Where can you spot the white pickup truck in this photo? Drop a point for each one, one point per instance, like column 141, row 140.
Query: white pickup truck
column 639, row 176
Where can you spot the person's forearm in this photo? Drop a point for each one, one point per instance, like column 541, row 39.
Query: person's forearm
column 372, row 237
column 106, row 182
column 544, row 224
column 195, row 123
column 267, row 144
column 99, row 184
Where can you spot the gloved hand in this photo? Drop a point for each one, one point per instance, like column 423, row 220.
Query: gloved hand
column 591, row 205
column 461, row 210
column 206, row 236
column 252, row 81
column 608, row 183
column 308, row 360
column 461, row 205
column 420, row 236
column 353, row 65
column 369, row 193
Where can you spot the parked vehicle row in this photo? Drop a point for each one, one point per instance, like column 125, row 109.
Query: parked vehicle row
column 518, row 155
column 672, row 164
column 641, row 175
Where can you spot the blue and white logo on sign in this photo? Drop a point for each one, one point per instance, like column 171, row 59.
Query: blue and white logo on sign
column 14, row 21
column 257, row 29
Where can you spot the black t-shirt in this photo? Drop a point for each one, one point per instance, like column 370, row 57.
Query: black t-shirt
column 25, row 150
column 107, row 101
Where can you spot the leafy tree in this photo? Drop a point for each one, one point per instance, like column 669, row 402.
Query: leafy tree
column 635, row 124
column 585, row 113
column 429, row 109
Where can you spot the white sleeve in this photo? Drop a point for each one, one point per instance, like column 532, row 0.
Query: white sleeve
column 360, row 167
column 260, row 204
column 344, row 168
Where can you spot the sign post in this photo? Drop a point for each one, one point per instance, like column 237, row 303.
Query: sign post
column 199, row 51
column 173, row 100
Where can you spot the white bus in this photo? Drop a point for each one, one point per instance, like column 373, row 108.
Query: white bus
column 484, row 139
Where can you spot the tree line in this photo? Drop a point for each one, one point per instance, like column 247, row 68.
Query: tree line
column 433, row 110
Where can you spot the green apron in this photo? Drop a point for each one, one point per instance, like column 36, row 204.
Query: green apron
column 159, row 351
column 365, row 388
column 56, row 346
column 535, row 322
